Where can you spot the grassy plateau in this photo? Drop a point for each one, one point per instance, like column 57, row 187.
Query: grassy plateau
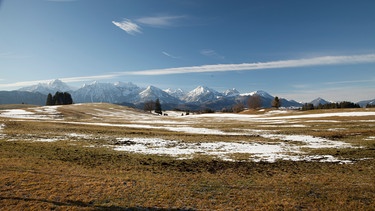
column 109, row 157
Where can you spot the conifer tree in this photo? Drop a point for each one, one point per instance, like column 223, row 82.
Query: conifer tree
column 60, row 98
column 49, row 99
column 276, row 102
column 158, row 107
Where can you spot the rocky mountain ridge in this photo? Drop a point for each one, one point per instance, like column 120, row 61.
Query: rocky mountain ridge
column 130, row 94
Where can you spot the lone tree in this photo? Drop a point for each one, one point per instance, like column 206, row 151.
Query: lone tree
column 254, row 102
column 276, row 102
column 158, row 107
column 238, row 107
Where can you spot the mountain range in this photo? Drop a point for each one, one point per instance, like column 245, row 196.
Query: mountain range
column 132, row 95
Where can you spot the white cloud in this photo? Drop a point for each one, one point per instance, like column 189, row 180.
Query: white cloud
column 211, row 53
column 169, row 55
column 61, row 0
column 66, row 80
column 351, row 82
column 160, row 21
column 326, row 60
column 128, row 26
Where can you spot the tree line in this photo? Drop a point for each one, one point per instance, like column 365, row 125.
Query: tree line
column 59, row 98
column 254, row 102
column 344, row 104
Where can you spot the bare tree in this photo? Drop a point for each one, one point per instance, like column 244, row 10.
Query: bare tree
column 254, row 102
column 149, row 106
column 238, row 108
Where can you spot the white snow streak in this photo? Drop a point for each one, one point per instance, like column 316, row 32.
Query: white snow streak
column 268, row 152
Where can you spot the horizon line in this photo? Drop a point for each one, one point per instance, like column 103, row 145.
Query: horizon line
column 280, row 64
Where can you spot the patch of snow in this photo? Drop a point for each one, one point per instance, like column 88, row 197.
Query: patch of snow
column 338, row 114
column 45, row 112
column 223, row 150
column 46, row 139
column 16, row 113
column 370, row 138
column 76, row 135
column 2, row 126
column 310, row 141
column 277, row 112
column 336, row 129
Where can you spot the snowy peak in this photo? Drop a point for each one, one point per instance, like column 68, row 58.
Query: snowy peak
column 49, row 87
column 201, row 94
column 58, row 84
column 259, row 93
column 98, row 92
column 153, row 93
column 318, row 101
column 231, row 93
column 178, row 93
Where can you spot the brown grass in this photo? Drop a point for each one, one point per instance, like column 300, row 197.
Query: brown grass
column 73, row 175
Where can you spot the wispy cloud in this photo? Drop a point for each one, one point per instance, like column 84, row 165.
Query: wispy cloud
column 351, row 82
column 66, row 80
column 128, row 26
column 170, row 55
column 160, row 21
column 61, row 0
column 326, row 60
column 211, row 53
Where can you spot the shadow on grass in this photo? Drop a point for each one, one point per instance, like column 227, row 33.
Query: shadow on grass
column 72, row 203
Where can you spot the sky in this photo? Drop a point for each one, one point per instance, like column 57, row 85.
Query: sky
column 294, row 49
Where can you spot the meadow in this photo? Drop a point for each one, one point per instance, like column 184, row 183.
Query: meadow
column 108, row 157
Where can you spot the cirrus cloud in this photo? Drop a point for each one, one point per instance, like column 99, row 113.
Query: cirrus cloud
column 317, row 61
column 160, row 21
column 128, row 26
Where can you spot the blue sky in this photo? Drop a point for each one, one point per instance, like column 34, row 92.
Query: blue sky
column 291, row 48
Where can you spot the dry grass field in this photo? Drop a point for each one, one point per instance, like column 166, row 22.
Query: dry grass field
column 109, row 157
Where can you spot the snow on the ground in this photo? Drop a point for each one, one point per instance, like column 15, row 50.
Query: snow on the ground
column 17, row 113
column 40, row 113
column 279, row 146
column 268, row 152
column 310, row 141
column 333, row 114
column 370, row 138
column 2, row 126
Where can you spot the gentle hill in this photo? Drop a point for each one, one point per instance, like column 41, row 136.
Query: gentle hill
column 16, row 106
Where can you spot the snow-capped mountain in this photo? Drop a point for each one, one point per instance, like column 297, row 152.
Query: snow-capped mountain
column 177, row 93
column 50, row 87
column 260, row 93
column 153, row 93
column 98, row 92
column 231, row 93
column 127, row 89
column 130, row 94
column 318, row 101
column 364, row 103
column 201, row 94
